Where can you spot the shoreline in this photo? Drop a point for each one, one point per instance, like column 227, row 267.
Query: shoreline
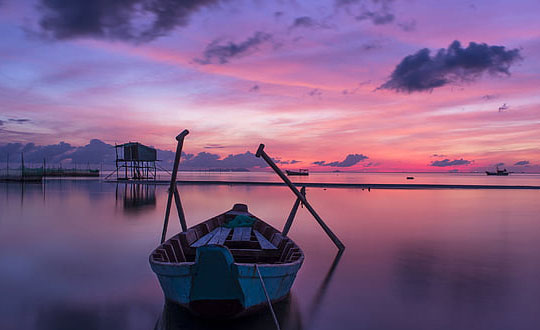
column 334, row 185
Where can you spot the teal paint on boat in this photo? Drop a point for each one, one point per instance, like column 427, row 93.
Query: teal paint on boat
column 213, row 275
column 221, row 281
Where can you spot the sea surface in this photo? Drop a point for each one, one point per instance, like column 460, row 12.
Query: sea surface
column 74, row 253
column 514, row 179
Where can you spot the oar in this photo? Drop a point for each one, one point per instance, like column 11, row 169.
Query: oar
column 172, row 188
column 269, row 161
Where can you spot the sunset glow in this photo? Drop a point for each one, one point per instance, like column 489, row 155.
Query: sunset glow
column 307, row 78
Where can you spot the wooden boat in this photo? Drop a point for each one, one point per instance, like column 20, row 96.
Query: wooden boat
column 231, row 264
column 213, row 270
column 498, row 172
column 301, row 171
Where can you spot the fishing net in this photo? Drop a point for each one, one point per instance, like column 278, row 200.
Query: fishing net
column 240, row 221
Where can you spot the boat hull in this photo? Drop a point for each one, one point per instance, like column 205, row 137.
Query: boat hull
column 189, row 285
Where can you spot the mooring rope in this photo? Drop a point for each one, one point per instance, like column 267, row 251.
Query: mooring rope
column 267, row 298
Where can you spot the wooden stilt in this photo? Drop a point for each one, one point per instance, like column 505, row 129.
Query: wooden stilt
column 172, row 187
column 294, row 209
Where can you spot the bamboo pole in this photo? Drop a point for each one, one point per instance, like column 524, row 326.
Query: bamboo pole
column 327, row 230
column 294, row 209
column 172, row 188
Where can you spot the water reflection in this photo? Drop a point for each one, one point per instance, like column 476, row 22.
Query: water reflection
column 467, row 278
column 136, row 197
column 287, row 312
column 91, row 317
column 73, row 258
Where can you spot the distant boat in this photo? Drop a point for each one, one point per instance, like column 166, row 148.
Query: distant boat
column 410, row 178
column 498, row 172
column 302, row 171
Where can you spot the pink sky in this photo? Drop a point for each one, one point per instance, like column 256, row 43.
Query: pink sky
column 308, row 92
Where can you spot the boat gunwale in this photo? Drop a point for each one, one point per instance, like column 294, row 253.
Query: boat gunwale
column 300, row 259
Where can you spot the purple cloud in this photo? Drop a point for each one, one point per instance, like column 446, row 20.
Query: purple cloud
column 116, row 19
column 350, row 160
column 448, row 162
column 220, row 53
column 422, row 72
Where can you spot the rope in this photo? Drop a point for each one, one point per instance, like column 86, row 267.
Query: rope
column 268, row 298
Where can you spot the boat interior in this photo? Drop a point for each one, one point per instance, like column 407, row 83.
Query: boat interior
column 259, row 243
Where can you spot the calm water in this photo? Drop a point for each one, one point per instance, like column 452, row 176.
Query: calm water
column 515, row 179
column 74, row 255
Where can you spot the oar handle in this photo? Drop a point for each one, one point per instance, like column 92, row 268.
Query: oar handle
column 182, row 135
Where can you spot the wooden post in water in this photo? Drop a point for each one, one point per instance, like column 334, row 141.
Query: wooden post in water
column 172, row 188
column 294, row 209
column 22, row 165
column 269, row 161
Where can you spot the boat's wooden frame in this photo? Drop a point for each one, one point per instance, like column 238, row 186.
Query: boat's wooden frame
column 175, row 261
column 216, row 272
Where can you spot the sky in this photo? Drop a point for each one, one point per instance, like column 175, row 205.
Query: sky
column 358, row 85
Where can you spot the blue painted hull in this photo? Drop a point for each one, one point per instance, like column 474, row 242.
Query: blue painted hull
column 177, row 282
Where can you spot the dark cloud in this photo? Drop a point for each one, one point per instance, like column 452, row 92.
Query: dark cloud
column 371, row 46
column 214, row 146
column 438, row 155
column 304, row 21
column 377, row 18
column 287, row 162
column 499, row 164
column 350, row 160
column 206, row 160
column 255, row 88
column 220, row 53
column 19, row 121
column 134, row 20
column 523, row 162
column 36, row 154
column 308, row 22
column 488, row 97
column 1, row 122
column 379, row 12
column 448, row 162
column 408, row 26
column 315, row 92
column 97, row 152
column 422, row 72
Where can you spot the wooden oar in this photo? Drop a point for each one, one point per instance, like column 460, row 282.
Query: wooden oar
column 172, row 188
column 269, row 161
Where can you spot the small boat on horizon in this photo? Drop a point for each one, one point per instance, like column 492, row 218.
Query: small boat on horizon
column 301, row 171
column 498, row 172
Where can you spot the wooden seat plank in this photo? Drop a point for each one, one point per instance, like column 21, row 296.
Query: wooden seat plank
column 241, row 234
column 265, row 244
column 220, row 237
column 247, row 234
column 206, row 238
